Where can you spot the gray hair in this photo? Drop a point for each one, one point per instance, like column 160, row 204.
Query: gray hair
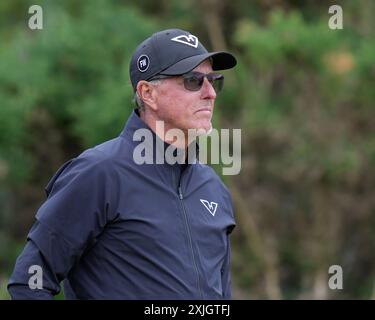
column 139, row 104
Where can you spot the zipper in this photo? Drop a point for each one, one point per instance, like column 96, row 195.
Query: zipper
column 181, row 197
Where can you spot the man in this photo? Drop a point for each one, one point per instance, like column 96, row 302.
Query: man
column 112, row 228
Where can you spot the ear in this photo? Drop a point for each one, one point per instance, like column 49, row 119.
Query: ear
column 146, row 91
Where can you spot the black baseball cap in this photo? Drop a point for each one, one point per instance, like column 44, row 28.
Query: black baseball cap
column 173, row 52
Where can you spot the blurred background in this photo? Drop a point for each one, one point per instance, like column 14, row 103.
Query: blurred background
column 302, row 94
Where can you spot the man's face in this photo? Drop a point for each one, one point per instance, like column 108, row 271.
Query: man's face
column 184, row 109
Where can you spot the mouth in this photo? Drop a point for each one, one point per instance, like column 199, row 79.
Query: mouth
column 204, row 110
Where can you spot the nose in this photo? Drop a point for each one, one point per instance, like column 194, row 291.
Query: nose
column 207, row 90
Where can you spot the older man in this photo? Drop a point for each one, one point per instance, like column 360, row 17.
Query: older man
column 112, row 228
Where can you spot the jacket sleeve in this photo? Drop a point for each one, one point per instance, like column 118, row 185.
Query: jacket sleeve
column 226, row 268
column 226, row 274
column 80, row 203
column 18, row 286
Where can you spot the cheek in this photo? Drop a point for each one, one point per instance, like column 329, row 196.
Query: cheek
column 178, row 110
column 175, row 108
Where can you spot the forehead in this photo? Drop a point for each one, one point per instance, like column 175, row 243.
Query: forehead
column 204, row 67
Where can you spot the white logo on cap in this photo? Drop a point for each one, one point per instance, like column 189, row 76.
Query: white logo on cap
column 143, row 63
column 190, row 40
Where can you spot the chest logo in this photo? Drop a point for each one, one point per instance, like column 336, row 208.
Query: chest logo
column 210, row 206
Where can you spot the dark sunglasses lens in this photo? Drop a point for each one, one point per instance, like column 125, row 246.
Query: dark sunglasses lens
column 193, row 82
column 217, row 81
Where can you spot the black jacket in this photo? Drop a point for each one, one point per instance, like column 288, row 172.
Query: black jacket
column 114, row 229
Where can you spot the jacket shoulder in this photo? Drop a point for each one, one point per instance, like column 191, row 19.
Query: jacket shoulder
column 92, row 162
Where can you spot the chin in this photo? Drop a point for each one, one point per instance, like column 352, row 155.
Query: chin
column 204, row 131
column 200, row 128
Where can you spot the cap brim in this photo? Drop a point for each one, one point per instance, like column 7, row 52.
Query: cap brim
column 220, row 61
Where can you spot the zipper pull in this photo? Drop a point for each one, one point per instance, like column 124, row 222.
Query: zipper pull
column 180, row 193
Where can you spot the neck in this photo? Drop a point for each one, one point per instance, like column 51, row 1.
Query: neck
column 176, row 137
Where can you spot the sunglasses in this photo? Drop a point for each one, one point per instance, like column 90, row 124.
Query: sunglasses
column 193, row 80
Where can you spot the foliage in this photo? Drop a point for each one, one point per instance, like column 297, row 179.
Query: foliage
column 309, row 150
